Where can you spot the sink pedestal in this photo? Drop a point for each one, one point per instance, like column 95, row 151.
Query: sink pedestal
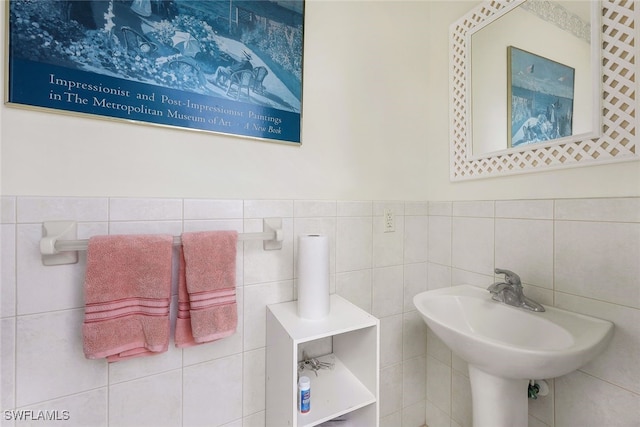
column 498, row 402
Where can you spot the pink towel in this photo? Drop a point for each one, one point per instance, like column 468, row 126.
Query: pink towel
column 207, row 309
column 127, row 295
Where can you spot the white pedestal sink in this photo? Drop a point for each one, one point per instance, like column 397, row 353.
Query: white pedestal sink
column 506, row 346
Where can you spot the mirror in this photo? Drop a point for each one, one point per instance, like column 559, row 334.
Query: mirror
column 507, row 118
column 540, row 92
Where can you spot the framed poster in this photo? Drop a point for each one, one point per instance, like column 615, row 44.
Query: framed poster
column 540, row 98
column 226, row 66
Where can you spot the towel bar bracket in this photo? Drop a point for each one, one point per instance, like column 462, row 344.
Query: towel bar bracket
column 52, row 231
column 272, row 225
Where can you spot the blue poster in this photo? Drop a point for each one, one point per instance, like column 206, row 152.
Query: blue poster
column 225, row 66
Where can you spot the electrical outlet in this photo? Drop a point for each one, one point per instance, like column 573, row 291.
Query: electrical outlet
column 389, row 221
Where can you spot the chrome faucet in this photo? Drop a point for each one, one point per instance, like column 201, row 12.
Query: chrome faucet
column 510, row 292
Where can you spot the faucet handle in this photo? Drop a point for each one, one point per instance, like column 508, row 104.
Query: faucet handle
column 509, row 277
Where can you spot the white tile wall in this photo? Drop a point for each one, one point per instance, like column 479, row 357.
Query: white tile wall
column 388, row 297
column 391, row 390
column 473, row 243
column 526, row 246
column 8, row 269
column 356, row 287
column 599, row 260
column 602, row 403
column 160, row 395
column 581, row 255
column 212, row 392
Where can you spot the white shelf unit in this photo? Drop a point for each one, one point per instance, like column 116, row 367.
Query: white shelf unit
column 349, row 390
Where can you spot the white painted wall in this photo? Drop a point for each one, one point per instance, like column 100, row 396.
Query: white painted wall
column 375, row 114
column 364, row 128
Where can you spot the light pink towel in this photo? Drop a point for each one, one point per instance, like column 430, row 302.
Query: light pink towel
column 127, row 295
column 207, row 309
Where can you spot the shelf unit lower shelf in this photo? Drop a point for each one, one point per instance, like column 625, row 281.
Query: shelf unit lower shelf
column 334, row 392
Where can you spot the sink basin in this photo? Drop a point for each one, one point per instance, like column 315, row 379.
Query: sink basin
column 507, row 346
column 508, row 341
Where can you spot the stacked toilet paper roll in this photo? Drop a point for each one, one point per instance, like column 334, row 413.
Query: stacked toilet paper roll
column 313, row 276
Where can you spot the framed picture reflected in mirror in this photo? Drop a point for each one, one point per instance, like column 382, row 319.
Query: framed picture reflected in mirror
column 540, row 98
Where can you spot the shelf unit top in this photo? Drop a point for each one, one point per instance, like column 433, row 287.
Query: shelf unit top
column 343, row 317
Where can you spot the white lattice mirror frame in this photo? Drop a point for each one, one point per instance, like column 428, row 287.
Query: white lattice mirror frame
column 618, row 136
